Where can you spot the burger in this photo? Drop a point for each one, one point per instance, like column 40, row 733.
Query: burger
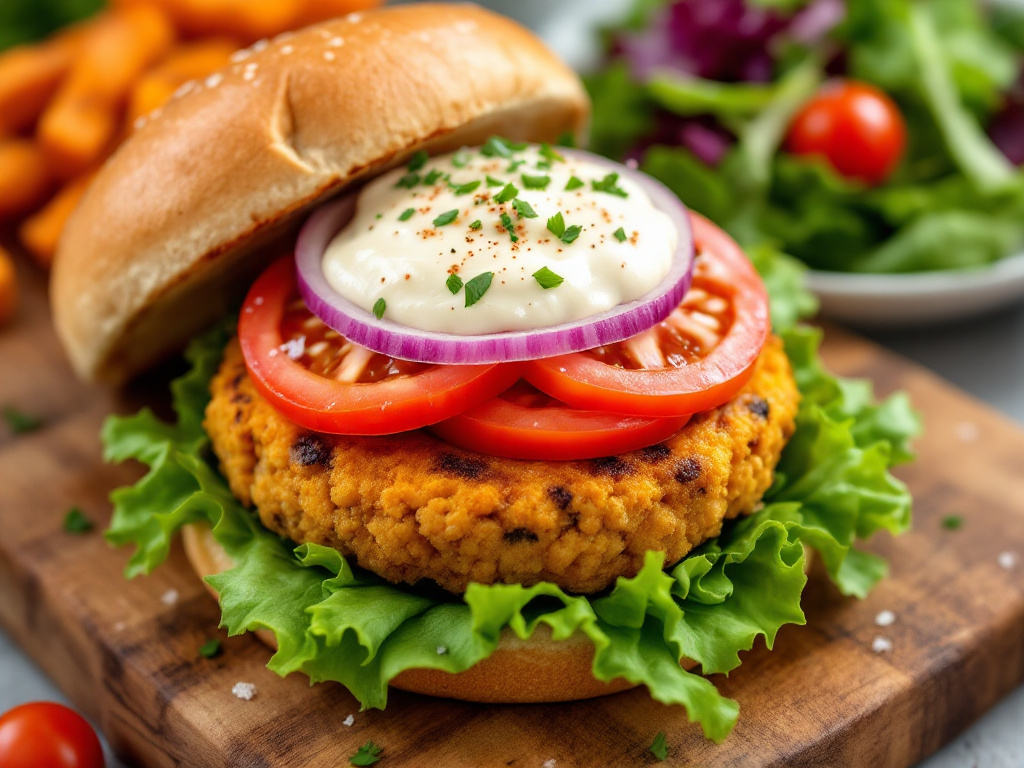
column 470, row 413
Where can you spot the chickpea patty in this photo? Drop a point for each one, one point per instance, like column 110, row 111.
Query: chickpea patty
column 411, row 507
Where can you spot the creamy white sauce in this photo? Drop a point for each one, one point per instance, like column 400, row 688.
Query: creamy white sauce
column 407, row 263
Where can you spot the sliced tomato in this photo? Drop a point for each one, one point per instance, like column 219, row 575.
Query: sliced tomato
column 695, row 360
column 524, row 423
column 316, row 378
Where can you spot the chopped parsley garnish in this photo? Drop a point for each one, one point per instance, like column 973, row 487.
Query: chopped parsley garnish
column 418, row 160
column 368, row 754
column 461, row 158
column 535, row 182
column 506, row 194
column 510, row 226
column 75, row 521
column 446, row 218
column 464, row 189
column 380, row 216
column 432, row 177
column 407, row 214
column 454, row 283
column 379, row 307
column 620, row 235
column 659, row 747
column 549, row 154
column 547, row 278
column 476, row 224
column 408, row 181
column 493, row 182
column 556, row 226
column 610, row 185
column 477, row 287
column 952, row 522
column 567, row 139
column 19, row 422
column 573, row 183
column 499, row 147
column 210, row 648
column 524, row 209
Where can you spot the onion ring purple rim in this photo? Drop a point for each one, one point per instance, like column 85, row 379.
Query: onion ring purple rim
column 399, row 341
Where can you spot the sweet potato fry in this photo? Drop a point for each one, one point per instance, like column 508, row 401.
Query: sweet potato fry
column 312, row 11
column 41, row 232
column 183, row 63
column 82, row 120
column 25, row 178
column 29, row 76
column 8, row 288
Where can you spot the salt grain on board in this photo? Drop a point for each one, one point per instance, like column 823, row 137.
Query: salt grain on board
column 1007, row 560
column 881, row 644
column 967, row 431
column 885, row 618
column 349, row 720
column 550, row 763
column 170, row 597
column 244, row 691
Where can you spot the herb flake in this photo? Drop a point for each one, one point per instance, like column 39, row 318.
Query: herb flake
column 477, row 287
column 476, row 224
column 408, row 181
column 499, row 147
column 550, row 154
column 493, row 182
column 461, row 158
column 19, row 422
column 535, row 182
column 571, row 233
column 952, row 522
column 510, row 227
column 407, row 214
column 418, row 160
column 524, row 209
column 433, row 177
column 210, row 648
column 446, row 218
column 368, row 754
column 379, row 307
column 556, row 225
column 507, row 193
column 464, row 189
column 548, row 279
column 620, row 235
column 659, row 747
column 609, row 185
column 574, row 182
column 454, row 283
column 75, row 521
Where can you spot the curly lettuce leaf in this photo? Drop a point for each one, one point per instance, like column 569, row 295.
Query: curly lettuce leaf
column 333, row 621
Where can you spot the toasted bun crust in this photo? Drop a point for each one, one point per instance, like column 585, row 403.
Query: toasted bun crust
column 192, row 205
column 519, row 671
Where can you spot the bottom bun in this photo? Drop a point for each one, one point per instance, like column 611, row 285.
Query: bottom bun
column 519, row 671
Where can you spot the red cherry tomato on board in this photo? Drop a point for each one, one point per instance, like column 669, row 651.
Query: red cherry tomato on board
column 47, row 735
column 854, row 126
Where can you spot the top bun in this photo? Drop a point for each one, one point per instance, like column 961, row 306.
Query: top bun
column 192, row 205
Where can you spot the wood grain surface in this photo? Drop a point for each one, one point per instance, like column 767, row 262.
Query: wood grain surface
column 823, row 697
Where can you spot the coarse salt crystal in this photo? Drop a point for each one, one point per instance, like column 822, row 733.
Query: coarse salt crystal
column 550, row 763
column 967, row 431
column 349, row 720
column 329, row 55
column 214, row 80
column 244, row 691
column 1007, row 560
column 881, row 644
column 294, row 348
column 170, row 597
column 885, row 618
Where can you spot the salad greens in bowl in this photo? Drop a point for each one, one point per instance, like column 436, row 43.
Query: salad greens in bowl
column 878, row 141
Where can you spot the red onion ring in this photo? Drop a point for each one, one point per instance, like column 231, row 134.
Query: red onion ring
column 405, row 343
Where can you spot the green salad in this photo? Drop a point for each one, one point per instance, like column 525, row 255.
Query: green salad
column 334, row 621
column 878, row 136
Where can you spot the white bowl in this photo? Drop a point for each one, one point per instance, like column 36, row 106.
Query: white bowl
column 902, row 301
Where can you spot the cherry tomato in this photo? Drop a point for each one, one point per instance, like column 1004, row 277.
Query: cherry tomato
column 695, row 360
column 319, row 380
column 47, row 735
column 524, row 423
column 857, row 128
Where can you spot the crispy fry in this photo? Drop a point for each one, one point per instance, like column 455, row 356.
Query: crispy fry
column 248, row 20
column 183, row 63
column 8, row 288
column 312, row 11
column 40, row 233
column 25, row 178
column 29, row 76
column 82, row 120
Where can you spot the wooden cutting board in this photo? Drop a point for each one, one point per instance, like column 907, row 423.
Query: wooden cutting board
column 823, row 697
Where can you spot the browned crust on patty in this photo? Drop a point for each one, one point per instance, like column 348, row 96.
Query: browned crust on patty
column 411, row 507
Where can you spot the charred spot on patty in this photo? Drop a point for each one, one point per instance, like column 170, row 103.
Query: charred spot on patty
column 758, row 406
column 517, row 535
column 561, row 496
column 240, row 398
column 614, row 466
column 460, row 466
column 652, row 454
column 687, row 470
column 310, row 450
